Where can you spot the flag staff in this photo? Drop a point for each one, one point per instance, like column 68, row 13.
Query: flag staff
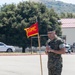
column 40, row 54
column 31, row 31
column 38, row 20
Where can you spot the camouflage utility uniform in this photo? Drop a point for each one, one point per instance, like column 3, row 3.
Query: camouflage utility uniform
column 55, row 60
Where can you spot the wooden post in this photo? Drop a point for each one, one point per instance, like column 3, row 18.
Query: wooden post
column 40, row 55
column 31, row 46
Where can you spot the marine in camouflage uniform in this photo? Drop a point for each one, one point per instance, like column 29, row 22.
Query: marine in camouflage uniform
column 55, row 59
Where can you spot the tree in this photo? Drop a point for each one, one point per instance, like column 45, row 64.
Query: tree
column 53, row 22
column 13, row 20
column 67, row 15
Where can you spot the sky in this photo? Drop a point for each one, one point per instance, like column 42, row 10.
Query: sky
column 17, row 1
column 10, row 1
column 67, row 1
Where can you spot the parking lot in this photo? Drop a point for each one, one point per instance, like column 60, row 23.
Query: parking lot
column 30, row 65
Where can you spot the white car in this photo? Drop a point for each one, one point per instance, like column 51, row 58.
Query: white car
column 68, row 48
column 6, row 48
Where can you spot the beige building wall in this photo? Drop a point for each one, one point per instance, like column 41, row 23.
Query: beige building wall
column 70, row 34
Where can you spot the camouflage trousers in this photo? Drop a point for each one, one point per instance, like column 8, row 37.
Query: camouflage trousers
column 55, row 70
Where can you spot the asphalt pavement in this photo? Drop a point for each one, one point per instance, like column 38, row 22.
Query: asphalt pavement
column 30, row 65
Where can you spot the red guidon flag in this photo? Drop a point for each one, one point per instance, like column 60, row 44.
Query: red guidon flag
column 32, row 30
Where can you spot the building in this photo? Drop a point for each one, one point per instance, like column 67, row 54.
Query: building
column 68, row 30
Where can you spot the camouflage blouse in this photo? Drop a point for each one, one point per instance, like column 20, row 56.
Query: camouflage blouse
column 53, row 58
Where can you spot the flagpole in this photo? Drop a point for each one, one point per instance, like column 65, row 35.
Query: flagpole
column 40, row 55
column 34, row 28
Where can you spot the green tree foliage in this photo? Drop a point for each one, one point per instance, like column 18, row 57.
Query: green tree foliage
column 67, row 15
column 13, row 20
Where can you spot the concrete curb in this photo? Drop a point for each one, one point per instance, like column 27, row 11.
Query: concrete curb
column 17, row 54
column 26, row 54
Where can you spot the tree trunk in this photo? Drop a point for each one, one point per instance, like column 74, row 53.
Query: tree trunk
column 23, row 49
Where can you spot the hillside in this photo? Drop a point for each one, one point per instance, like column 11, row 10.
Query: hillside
column 58, row 5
